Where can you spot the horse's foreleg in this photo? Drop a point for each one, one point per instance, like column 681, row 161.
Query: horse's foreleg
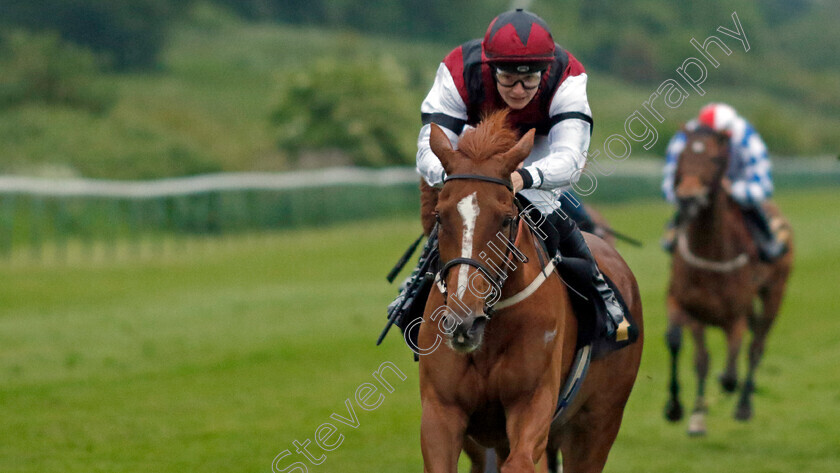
column 477, row 455
column 734, row 336
column 587, row 440
column 442, row 430
column 743, row 411
column 542, row 464
column 528, row 422
column 501, row 455
column 760, row 325
column 697, row 422
column 551, row 457
column 673, row 338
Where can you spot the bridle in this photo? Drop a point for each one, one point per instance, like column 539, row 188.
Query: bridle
column 682, row 239
column 499, row 281
column 721, row 160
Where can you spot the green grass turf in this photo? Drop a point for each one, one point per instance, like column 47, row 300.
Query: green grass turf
column 218, row 358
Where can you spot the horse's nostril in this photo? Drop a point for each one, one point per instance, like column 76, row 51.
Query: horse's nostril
column 695, row 197
column 479, row 324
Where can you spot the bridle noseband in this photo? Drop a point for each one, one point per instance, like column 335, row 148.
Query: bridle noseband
column 496, row 282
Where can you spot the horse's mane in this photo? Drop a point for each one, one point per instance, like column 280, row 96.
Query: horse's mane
column 492, row 136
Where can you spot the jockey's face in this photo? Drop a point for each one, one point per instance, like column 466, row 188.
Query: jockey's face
column 517, row 95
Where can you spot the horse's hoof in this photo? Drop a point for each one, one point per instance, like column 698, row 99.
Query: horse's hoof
column 728, row 384
column 697, row 425
column 673, row 410
column 743, row 413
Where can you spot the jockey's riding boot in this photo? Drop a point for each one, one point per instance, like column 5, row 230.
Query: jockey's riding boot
column 669, row 238
column 769, row 247
column 573, row 245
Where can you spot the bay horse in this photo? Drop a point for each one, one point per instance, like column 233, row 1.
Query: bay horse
column 497, row 382
column 717, row 278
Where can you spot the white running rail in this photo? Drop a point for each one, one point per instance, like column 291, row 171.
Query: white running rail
column 206, row 183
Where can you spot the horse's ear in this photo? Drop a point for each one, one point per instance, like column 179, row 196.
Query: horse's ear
column 442, row 147
column 520, row 151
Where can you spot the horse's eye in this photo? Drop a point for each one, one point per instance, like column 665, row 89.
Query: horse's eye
column 507, row 221
column 437, row 217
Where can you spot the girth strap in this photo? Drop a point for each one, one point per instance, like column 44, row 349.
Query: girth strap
column 573, row 383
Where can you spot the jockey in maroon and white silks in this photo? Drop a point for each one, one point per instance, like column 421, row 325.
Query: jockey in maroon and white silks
column 465, row 88
column 518, row 66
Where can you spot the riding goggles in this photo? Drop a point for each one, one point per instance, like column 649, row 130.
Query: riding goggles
column 529, row 81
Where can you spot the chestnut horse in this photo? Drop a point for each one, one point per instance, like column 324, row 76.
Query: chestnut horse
column 481, row 458
column 496, row 382
column 716, row 275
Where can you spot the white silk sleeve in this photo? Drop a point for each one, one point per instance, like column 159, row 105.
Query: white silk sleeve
column 442, row 99
column 568, row 138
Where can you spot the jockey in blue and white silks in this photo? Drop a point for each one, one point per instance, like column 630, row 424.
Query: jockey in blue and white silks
column 749, row 172
column 749, row 166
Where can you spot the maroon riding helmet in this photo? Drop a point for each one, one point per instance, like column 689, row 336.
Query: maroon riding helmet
column 518, row 41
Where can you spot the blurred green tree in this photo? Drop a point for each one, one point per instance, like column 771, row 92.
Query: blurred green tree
column 360, row 106
column 130, row 32
column 42, row 68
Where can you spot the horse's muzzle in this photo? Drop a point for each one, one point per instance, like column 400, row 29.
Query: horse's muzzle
column 467, row 335
column 691, row 206
column 692, row 196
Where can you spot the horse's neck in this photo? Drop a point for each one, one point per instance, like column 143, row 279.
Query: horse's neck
column 710, row 234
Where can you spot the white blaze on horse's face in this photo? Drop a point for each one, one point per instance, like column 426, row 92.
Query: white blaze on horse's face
column 468, row 208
